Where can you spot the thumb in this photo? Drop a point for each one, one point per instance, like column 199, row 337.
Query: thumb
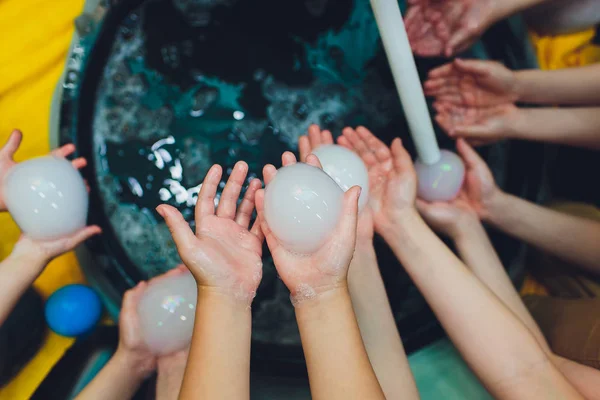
column 12, row 144
column 349, row 216
column 180, row 230
column 476, row 67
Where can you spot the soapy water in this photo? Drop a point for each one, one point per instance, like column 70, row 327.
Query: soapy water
column 164, row 114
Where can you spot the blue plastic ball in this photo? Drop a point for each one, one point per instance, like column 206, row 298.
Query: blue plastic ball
column 73, row 310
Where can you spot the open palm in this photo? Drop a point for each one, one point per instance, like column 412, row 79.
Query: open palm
column 307, row 275
column 392, row 178
column 446, row 27
column 223, row 253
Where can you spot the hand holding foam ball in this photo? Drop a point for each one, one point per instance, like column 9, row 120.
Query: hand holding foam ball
column 166, row 312
column 345, row 167
column 224, row 253
column 309, row 224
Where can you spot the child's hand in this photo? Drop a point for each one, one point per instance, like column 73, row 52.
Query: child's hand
column 223, row 254
column 132, row 349
column 451, row 218
column 447, row 27
column 315, row 138
column 43, row 251
column 308, row 275
column 392, row 177
column 8, row 151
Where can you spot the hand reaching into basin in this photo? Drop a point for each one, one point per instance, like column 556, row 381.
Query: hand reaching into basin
column 224, row 256
column 7, row 161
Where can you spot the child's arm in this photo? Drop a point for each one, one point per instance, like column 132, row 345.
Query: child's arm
column 498, row 347
column 27, row 261
column 224, row 256
column 575, row 86
column 131, row 363
column 337, row 362
column 571, row 238
column 369, row 300
column 170, row 372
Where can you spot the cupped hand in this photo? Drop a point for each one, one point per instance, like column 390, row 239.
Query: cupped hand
column 7, row 161
column 447, row 27
column 473, row 83
column 449, row 218
column 392, row 176
column 479, row 126
column 309, row 275
column 315, row 138
column 223, row 254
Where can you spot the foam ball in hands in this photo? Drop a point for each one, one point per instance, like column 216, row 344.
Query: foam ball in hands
column 440, row 181
column 302, row 207
column 73, row 310
column 46, row 197
column 166, row 311
column 346, row 168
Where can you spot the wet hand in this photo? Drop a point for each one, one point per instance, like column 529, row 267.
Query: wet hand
column 224, row 254
column 7, row 161
column 447, row 27
column 392, row 177
column 309, row 275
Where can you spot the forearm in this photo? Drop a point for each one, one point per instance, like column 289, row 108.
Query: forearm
column 17, row 274
column 497, row 346
column 570, row 126
column 337, row 362
column 219, row 361
column 575, row 86
column 169, row 378
column 478, row 253
column 118, row 380
column 377, row 325
column 571, row 238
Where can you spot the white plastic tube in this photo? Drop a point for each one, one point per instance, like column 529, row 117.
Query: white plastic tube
column 404, row 70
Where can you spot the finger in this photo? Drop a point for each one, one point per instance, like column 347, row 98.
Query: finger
column 231, row 192
column 180, row 230
column 442, row 72
column 257, row 231
column 472, row 131
column 12, row 144
column 269, row 172
column 349, row 218
column 344, row 142
column 79, row 163
column 314, row 161
column 358, row 144
column 304, row 147
column 379, row 150
column 206, row 197
column 82, row 235
column 458, row 39
column 244, row 211
column 469, row 155
column 422, row 207
column 272, row 241
column 326, row 137
column 402, row 160
column 64, row 151
column 172, row 272
column 132, row 297
column 314, row 136
column 475, row 67
column 288, row 158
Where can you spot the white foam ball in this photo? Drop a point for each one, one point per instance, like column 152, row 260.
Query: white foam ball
column 46, row 197
column 441, row 181
column 302, row 207
column 346, row 168
column 166, row 311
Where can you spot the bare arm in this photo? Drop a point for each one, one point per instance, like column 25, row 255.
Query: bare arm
column 17, row 273
column 575, row 86
column 498, row 347
column 170, row 371
column 571, row 238
column 377, row 325
column 219, row 361
column 338, row 365
column 569, row 126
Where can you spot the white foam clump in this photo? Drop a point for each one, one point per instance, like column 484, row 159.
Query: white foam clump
column 166, row 312
column 302, row 207
column 46, row 197
column 346, row 168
